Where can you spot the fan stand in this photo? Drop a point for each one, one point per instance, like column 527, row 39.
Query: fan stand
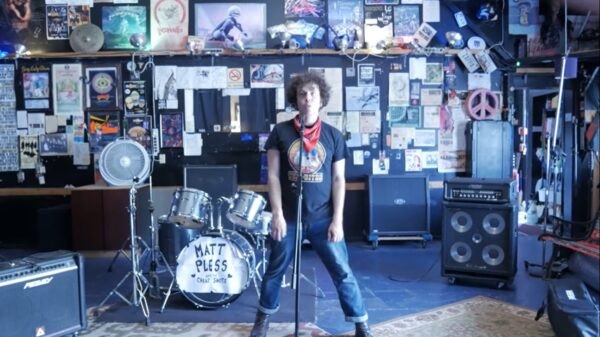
column 140, row 283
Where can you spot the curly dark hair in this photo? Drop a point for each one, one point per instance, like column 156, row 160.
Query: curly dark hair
column 301, row 80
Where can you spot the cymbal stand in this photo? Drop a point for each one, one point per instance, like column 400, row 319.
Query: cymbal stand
column 156, row 255
column 139, row 281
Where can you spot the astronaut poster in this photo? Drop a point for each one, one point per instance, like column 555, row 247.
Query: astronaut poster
column 232, row 25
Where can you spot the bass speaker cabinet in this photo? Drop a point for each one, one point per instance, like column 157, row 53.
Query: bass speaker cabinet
column 490, row 147
column 42, row 295
column 479, row 240
column 398, row 207
column 216, row 180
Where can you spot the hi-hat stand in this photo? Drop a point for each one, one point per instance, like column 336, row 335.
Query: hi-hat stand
column 139, row 281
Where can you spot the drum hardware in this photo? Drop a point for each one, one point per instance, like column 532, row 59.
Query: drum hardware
column 140, row 282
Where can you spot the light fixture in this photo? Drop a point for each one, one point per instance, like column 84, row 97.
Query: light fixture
column 20, row 50
column 380, row 46
column 138, row 40
column 238, row 45
column 455, row 40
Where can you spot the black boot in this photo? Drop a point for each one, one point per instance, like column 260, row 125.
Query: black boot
column 362, row 330
column 261, row 325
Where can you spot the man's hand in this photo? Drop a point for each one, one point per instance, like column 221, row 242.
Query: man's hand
column 278, row 227
column 335, row 233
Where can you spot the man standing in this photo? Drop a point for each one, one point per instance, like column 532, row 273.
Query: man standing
column 323, row 151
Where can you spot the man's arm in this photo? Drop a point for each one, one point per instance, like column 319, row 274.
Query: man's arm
column 338, row 191
column 278, row 225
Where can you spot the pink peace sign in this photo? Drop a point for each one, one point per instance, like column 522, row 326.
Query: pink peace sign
column 482, row 104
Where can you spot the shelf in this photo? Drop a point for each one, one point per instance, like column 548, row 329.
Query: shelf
column 228, row 52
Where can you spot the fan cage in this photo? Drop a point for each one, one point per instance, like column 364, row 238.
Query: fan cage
column 124, row 162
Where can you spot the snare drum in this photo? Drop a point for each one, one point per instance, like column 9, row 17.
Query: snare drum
column 246, row 208
column 190, row 207
column 213, row 271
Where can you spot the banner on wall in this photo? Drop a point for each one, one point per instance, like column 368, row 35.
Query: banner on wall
column 169, row 24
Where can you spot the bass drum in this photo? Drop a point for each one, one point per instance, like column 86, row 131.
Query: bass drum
column 213, row 270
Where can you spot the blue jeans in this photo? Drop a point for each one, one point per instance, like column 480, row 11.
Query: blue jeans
column 335, row 258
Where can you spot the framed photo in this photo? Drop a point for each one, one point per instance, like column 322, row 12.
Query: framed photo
column 67, row 89
column 36, row 86
column 103, row 87
column 382, row 2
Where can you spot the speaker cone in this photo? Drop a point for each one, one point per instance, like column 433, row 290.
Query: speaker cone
column 492, row 255
column 493, row 223
column 461, row 221
column 461, row 252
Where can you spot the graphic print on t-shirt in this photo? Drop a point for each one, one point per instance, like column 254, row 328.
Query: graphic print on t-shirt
column 311, row 162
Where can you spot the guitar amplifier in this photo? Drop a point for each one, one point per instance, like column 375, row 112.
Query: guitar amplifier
column 42, row 295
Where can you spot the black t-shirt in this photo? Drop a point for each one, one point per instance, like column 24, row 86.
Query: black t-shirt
column 317, row 170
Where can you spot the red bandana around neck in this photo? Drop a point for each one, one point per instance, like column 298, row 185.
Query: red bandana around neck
column 311, row 134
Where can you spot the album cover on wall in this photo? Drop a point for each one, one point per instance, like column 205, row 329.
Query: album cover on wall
column 171, row 130
column 78, row 15
column 103, row 87
column 134, row 97
column 346, row 18
column 103, row 128
column 120, row 22
column 36, row 86
column 139, row 128
column 379, row 25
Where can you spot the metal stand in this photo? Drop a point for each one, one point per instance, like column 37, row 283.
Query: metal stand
column 139, row 282
column 545, row 270
column 298, row 239
column 156, row 255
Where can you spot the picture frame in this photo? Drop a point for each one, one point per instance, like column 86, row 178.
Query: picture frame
column 212, row 19
column 36, row 86
column 103, row 128
column 103, row 87
column 171, row 130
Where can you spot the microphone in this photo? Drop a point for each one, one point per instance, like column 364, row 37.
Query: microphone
column 302, row 124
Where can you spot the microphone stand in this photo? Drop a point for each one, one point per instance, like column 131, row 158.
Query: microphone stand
column 298, row 241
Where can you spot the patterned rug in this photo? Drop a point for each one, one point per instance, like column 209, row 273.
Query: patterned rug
column 476, row 317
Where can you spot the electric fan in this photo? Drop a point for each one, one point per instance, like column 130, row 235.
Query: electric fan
column 124, row 162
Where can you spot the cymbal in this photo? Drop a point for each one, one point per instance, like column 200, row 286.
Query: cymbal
column 86, row 38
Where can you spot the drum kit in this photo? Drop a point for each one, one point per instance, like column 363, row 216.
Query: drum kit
column 213, row 265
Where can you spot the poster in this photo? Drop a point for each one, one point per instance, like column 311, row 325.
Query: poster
column 303, row 9
column 171, row 130
column 103, row 88
column 346, row 18
column 139, row 128
column 28, row 152
column 67, row 91
column 103, row 128
column 169, row 24
column 134, row 97
column 36, row 86
column 232, row 25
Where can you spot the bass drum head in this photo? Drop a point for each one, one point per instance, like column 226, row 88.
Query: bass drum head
column 198, row 264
